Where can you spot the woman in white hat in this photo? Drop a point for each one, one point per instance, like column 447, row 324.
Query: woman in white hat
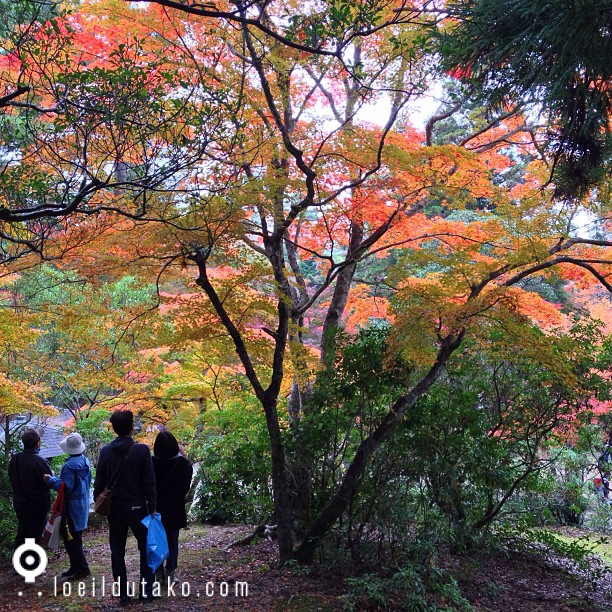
column 76, row 476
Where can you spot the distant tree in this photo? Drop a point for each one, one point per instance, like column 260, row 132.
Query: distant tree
column 82, row 338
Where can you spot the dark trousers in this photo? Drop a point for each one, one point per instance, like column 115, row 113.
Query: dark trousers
column 173, row 546
column 74, row 548
column 120, row 521
column 31, row 520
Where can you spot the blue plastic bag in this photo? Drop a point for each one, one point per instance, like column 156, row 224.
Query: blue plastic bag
column 157, row 543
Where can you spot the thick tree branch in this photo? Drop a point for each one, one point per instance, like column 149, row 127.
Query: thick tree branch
column 429, row 126
column 559, row 260
column 200, row 256
column 5, row 100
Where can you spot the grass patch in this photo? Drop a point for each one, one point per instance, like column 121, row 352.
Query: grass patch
column 601, row 544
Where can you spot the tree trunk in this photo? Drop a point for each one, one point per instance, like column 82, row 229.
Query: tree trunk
column 301, row 462
column 347, row 489
column 339, row 299
column 280, row 488
column 268, row 397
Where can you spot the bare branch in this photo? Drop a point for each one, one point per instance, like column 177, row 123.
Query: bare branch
column 5, row 100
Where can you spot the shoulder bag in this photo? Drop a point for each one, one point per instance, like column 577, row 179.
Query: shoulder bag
column 104, row 502
column 51, row 534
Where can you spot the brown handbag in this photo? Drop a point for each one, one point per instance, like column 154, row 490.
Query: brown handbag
column 104, row 501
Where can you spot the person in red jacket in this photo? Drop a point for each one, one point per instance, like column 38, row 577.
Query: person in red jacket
column 134, row 497
column 173, row 473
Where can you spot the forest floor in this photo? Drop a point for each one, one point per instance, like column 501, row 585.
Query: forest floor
column 214, row 579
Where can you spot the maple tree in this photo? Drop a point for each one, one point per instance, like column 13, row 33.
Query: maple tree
column 75, row 340
column 20, row 388
column 233, row 139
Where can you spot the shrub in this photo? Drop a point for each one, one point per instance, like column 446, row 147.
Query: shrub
column 412, row 587
column 8, row 519
column 232, row 451
column 600, row 518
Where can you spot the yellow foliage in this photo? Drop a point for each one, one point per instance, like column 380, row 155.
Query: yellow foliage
column 17, row 397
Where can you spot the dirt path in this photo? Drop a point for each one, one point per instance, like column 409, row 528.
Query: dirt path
column 212, row 579
column 246, row 579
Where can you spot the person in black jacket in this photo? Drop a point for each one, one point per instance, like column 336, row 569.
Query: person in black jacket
column 133, row 498
column 31, row 497
column 173, row 473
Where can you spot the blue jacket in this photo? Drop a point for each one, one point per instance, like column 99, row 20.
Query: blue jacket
column 76, row 475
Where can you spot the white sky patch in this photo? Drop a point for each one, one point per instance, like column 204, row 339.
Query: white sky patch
column 418, row 110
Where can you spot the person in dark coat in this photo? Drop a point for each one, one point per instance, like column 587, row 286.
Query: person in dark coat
column 31, row 496
column 173, row 473
column 134, row 497
column 76, row 476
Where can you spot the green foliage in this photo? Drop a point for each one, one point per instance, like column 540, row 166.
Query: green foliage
column 8, row 519
column 568, row 496
column 333, row 23
column 487, row 432
column 423, row 588
column 600, row 519
column 25, row 12
column 95, row 431
column 347, row 405
column 129, row 292
column 46, row 286
column 8, row 525
column 232, row 450
column 563, row 492
column 494, row 422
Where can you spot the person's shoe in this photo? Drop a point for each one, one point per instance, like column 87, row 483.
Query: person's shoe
column 68, row 574
column 82, row 575
column 124, row 601
column 172, row 578
column 148, row 598
column 160, row 575
column 72, row 575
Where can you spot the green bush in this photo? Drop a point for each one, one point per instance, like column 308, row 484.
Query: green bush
column 232, row 451
column 8, row 527
column 490, row 430
column 95, row 432
column 600, row 519
column 8, row 519
column 413, row 587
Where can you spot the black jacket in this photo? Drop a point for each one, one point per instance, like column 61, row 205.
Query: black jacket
column 173, row 477
column 137, row 484
column 26, row 471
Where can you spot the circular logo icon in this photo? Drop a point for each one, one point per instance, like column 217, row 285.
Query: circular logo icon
column 30, row 560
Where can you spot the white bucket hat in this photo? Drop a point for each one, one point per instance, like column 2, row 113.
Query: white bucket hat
column 72, row 444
